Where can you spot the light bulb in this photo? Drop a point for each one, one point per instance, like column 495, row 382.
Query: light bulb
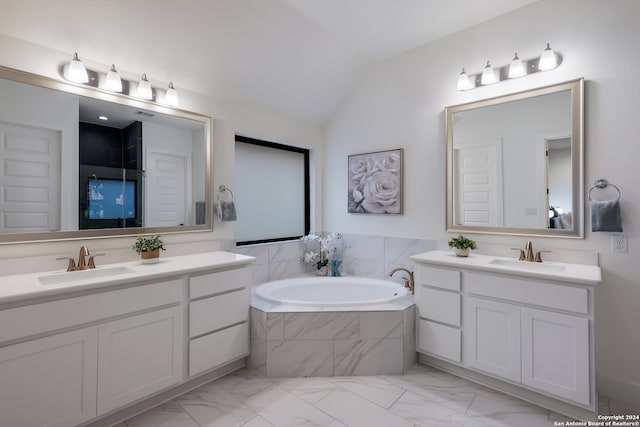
column 463, row 80
column 171, row 96
column 548, row 60
column 516, row 69
column 144, row 88
column 488, row 75
column 77, row 72
column 113, row 82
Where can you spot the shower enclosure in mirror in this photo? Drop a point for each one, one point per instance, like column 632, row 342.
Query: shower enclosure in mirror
column 515, row 163
column 80, row 162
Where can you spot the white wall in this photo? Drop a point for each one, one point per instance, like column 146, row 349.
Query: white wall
column 228, row 119
column 400, row 105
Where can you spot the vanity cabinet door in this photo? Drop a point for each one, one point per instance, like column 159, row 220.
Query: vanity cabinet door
column 49, row 381
column 138, row 356
column 555, row 354
column 492, row 337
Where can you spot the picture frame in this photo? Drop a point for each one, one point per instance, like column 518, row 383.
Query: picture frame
column 375, row 183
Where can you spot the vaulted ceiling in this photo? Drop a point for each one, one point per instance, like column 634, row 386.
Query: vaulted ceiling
column 300, row 58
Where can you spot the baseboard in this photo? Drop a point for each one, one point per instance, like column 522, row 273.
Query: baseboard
column 619, row 390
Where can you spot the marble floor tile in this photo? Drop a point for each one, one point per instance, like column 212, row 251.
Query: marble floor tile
column 243, row 383
column 168, row 414
column 215, row 408
column 603, row 405
column 621, row 408
column 257, row 422
column 428, row 413
column 311, row 390
column 506, row 411
column 375, row 389
column 424, row 397
column 281, row 408
column 355, row 411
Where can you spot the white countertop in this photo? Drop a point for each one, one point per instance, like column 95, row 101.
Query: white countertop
column 28, row 286
column 558, row 271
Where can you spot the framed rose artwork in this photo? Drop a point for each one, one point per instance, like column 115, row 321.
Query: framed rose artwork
column 375, row 182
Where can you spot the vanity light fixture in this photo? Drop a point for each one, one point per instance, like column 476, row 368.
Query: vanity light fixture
column 77, row 72
column 488, row 75
column 516, row 69
column 113, row 81
column 548, row 59
column 144, row 88
column 171, row 96
column 463, row 80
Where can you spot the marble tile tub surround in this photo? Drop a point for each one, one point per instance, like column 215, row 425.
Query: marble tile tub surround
column 332, row 343
column 423, row 397
column 363, row 255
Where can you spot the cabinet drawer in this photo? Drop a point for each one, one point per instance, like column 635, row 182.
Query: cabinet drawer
column 37, row 318
column 217, row 312
column 439, row 278
column 218, row 282
column 441, row 306
column 528, row 292
column 218, row 348
column 439, row 340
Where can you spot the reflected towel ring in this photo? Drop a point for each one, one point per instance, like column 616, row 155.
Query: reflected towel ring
column 602, row 183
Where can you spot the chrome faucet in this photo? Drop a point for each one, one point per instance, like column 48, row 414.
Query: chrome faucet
column 409, row 282
column 530, row 255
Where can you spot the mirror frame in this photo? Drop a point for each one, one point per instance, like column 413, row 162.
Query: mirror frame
column 576, row 87
column 97, row 93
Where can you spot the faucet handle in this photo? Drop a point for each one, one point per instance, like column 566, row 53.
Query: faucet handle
column 522, row 257
column 538, row 257
column 71, row 266
column 91, row 263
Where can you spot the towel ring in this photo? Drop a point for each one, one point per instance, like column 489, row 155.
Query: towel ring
column 602, row 183
column 222, row 189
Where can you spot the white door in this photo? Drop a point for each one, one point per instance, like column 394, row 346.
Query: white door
column 478, row 184
column 555, row 354
column 49, row 381
column 138, row 356
column 29, row 179
column 166, row 200
column 492, row 337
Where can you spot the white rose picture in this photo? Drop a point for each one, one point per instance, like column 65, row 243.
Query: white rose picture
column 375, row 182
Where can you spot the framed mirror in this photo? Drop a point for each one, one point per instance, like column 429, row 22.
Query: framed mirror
column 81, row 162
column 515, row 163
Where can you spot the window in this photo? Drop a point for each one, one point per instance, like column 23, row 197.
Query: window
column 272, row 191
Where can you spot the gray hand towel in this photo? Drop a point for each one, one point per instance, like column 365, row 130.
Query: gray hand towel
column 226, row 210
column 605, row 215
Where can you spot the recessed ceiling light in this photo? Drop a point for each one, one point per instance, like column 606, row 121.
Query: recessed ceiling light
column 105, row 118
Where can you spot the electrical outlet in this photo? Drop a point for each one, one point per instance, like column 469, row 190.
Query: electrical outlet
column 619, row 243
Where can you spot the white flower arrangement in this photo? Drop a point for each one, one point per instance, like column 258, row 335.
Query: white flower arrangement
column 326, row 249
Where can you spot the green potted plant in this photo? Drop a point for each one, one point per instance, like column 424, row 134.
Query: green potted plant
column 149, row 248
column 462, row 245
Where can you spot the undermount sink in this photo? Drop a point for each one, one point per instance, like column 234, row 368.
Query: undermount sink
column 527, row 266
column 77, row 276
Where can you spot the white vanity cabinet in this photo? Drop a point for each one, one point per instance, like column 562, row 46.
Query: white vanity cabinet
column 438, row 307
column 218, row 319
column 526, row 335
column 100, row 352
column 49, row 381
column 138, row 356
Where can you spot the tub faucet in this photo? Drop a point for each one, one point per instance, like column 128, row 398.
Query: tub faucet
column 409, row 282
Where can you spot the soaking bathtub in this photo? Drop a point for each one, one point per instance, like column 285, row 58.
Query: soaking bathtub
column 331, row 326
